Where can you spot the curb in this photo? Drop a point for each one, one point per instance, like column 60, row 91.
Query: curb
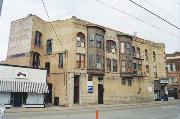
column 86, row 108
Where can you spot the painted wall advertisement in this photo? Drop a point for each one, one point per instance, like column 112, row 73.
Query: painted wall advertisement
column 90, row 86
column 20, row 37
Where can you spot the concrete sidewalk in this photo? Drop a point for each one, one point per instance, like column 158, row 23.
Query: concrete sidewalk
column 90, row 107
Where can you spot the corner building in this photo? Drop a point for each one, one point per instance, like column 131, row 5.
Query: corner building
column 87, row 63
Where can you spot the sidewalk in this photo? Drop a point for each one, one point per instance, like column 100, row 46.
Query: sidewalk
column 90, row 107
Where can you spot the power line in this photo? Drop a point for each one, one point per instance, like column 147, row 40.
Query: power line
column 45, row 9
column 134, row 17
column 161, row 10
column 155, row 14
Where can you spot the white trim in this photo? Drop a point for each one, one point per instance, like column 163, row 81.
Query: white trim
column 41, row 105
column 20, row 86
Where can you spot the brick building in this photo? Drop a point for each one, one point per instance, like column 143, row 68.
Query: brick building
column 173, row 73
column 87, row 63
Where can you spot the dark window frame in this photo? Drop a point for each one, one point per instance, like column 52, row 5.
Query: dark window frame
column 80, row 39
column 36, row 60
column 79, row 61
column 61, row 60
column 47, row 67
column 49, row 46
column 110, row 45
column 38, row 39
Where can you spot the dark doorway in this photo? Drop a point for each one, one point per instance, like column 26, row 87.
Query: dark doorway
column 100, row 94
column 76, row 89
column 18, row 99
column 48, row 96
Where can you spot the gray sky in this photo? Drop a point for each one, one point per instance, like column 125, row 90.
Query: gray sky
column 95, row 12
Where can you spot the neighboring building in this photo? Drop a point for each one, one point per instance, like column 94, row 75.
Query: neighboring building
column 1, row 2
column 87, row 63
column 173, row 73
column 20, row 86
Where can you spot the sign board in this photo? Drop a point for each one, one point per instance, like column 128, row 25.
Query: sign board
column 21, row 75
column 90, row 86
column 164, row 81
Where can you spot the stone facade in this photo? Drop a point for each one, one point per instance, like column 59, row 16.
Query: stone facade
column 173, row 73
column 78, row 54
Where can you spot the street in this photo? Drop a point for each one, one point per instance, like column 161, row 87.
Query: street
column 140, row 112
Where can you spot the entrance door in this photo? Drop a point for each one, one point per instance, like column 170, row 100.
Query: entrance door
column 100, row 94
column 48, row 96
column 76, row 89
column 17, row 99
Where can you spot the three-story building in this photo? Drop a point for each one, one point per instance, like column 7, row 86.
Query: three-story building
column 87, row 63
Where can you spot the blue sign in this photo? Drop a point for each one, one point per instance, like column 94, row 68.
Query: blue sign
column 90, row 89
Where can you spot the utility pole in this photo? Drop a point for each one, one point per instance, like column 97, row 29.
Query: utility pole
column 1, row 2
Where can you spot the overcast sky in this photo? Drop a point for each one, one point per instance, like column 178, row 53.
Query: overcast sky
column 95, row 12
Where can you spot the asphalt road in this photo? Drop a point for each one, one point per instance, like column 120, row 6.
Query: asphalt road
column 151, row 112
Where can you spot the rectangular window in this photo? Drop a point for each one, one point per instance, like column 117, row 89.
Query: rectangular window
column 123, row 81
column 122, row 48
column 36, row 60
column 98, row 41
column 80, row 60
column 98, row 61
column 155, row 72
column 91, row 61
column 47, row 67
column 61, row 60
column 38, row 38
column 108, row 64
column 90, row 78
column 114, row 63
column 91, row 40
column 49, row 46
column 123, row 66
column 129, row 82
column 147, row 68
column 135, row 68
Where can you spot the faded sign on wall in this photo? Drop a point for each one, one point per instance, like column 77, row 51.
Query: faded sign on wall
column 20, row 37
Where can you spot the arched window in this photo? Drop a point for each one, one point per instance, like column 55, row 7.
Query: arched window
column 111, row 46
column 80, row 39
column 138, row 53
column 133, row 50
column 154, row 56
column 146, row 54
column 36, row 60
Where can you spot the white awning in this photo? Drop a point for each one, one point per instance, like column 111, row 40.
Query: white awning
column 20, row 86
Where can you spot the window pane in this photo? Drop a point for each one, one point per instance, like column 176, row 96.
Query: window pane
column 91, row 61
column 91, row 37
column 98, row 61
column 122, row 47
column 108, row 64
column 61, row 62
